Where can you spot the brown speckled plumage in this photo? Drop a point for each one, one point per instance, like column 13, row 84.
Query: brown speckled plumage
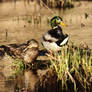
column 28, row 52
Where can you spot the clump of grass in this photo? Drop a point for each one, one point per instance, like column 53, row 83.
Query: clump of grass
column 59, row 3
column 68, row 4
column 19, row 66
column 73, row 65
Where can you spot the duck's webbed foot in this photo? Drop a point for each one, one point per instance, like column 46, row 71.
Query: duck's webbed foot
column 51, row 53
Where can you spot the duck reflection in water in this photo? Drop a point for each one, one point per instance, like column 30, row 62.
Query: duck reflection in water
column 27, row 83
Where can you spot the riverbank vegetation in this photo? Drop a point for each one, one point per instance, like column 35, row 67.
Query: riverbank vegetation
column 73, row 66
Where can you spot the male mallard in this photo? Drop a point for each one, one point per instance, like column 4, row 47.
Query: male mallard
column 54, row 39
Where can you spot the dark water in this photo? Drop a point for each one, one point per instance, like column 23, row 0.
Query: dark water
column 24, row 83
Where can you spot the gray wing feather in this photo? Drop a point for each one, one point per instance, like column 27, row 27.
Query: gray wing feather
column 49, row 37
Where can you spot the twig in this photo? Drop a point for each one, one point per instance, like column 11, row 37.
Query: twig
column 72, row 79
column 53, row 12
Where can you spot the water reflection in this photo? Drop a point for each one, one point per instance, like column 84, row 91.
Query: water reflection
column 30, row 80
column 10, row 81
column 27, row 82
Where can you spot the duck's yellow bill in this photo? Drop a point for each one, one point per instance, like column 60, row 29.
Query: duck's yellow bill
column 62, row 24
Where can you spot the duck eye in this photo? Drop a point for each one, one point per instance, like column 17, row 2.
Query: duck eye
column 58, row 21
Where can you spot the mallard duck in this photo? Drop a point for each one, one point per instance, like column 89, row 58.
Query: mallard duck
column 30, row 53
column 54, row 39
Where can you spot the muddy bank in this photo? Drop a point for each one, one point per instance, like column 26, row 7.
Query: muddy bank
column 38, row 76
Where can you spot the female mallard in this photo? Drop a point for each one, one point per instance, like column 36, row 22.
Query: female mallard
column 54, row 39
column 30, row 53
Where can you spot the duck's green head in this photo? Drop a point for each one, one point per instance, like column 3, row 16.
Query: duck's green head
column 56, row 21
